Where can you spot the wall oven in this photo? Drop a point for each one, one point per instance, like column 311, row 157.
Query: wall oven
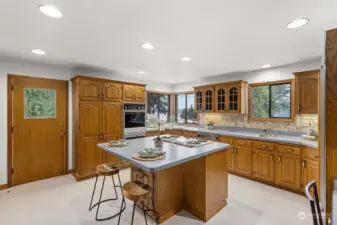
column 134, row 120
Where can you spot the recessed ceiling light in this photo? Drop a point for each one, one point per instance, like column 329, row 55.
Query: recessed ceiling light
column 38, row 51
column 297, row 23
column 147, row 46
column 141, row 72
column 265, row 66
column 185, row 58
column 50, row 10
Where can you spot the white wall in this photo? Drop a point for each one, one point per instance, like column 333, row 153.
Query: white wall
column 34, row 69
column 265, row 75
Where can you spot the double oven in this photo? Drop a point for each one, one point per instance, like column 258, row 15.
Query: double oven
column 133, row 120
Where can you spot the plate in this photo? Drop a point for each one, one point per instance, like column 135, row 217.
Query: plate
column 151, row 153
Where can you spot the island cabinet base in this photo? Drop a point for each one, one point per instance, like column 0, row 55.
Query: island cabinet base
column 199, row 186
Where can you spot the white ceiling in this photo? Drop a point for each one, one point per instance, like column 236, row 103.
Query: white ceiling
column 220, row 36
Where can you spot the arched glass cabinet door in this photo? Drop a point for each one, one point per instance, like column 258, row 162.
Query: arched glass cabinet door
column 221, row 101
column 198, row 100
column 209, row 100
column 234, row 99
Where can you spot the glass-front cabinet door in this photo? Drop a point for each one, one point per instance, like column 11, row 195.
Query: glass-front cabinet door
column 199, row 100
column 220, row 98
column 208, row 99
column 234, row 98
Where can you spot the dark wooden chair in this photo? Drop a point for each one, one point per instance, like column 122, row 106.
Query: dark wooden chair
column 312, row 195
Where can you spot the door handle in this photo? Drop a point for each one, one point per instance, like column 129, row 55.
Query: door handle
column 62, row 135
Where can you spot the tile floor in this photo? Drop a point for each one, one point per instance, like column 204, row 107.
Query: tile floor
column 62, row 200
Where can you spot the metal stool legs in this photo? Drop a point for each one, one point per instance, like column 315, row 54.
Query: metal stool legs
column 144, row 212
column 123, row 206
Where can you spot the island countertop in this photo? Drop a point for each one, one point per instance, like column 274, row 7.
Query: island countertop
column 175, row 154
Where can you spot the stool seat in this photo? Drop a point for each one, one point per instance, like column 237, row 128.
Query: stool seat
column 107, row 170
column 135, row 191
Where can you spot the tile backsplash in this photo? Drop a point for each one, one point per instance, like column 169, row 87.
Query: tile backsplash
column 301, row 123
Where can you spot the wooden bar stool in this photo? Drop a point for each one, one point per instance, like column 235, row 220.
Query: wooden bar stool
column 106, row 170
column 137, row 192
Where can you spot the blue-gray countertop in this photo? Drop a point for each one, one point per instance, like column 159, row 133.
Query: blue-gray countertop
column 175, row 154
column 284, row 137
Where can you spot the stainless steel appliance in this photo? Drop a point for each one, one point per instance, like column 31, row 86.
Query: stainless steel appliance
column 210, row 137
column 133, row 120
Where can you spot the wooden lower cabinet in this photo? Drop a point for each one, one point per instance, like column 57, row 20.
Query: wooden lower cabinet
column 152, row 133
column 230, row 151
column 263, row 165
column 288, row 171
column 243, row 161
column 189, row 134
column 89, row 157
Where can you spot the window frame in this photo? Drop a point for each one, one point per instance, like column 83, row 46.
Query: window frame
column 270, row 84
column 168, row 105
column 176, row 107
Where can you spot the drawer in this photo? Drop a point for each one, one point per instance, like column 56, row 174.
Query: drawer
column 226, row 140
column 310, row 153
column 152, row 133
column 243, row 143
column 262, row 145
column 174, row 132
column 189, row 134
column 289, row 149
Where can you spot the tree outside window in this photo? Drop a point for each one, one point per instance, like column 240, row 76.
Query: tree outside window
column 185, row 111
column 271, row 100
column 158, row 106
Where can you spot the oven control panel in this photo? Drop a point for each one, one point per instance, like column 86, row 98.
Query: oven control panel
column 134, row 106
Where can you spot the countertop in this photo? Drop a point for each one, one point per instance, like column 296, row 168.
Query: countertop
column 175, row 154
column 247, row 133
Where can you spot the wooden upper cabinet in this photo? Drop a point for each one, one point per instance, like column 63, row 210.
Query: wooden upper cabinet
column 90, row 90
column 208, row 99
column 139, row 93
column 133, row 93
column 225, row 97
column 128, row 92
column 221, row 98
column 234, row 98
column 112, row 91
column 199, row 99
column 306, row 89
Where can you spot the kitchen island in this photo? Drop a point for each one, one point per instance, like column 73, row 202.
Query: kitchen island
column 190, row 178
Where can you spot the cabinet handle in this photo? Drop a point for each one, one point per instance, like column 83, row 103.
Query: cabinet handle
column 304, row 164
column 263, row 146
column 299, row 108
column 289, row 150
column 271, row 158
column 279, row 158
column 103, row 96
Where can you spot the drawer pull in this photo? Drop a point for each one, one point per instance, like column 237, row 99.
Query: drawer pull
column 271, row 158
column 263, row 146
column 243, row 143
column 279, row 158
column 289, row 150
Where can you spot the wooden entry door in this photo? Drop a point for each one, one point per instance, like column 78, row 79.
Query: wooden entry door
column 38, row 114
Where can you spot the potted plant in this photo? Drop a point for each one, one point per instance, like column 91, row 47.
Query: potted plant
column 210, row 124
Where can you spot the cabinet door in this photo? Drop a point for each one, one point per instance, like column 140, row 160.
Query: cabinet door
column 220, row 99
column 288, row 171
column 307, row 92
column 128, row 92
column 230, row 151
column 243, row 161
column 112, row 92
column 198, row 99
column 89, row 154
column 90, row 90
column 208, row 100
column 139, row 92
column 111, row 120
column 234, row 98
column 310, row 171
column 263, row 165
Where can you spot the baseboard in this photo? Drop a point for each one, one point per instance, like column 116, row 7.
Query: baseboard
column 72, row 171
column 3, row 186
